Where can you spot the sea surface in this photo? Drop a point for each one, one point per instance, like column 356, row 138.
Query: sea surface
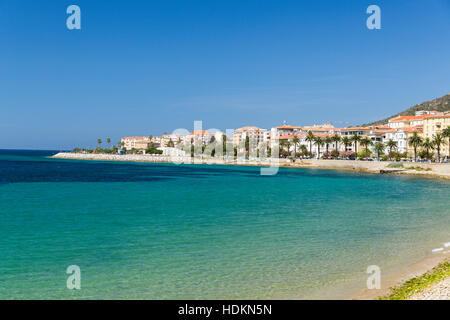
column 166, row 231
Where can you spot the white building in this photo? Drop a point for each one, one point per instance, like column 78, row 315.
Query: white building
column 175, row 138
column 399, row 136
column 257, row 135
column 199, row 137
column 173, row 152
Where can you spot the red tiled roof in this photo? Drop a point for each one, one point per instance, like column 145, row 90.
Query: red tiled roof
column 135, row 138
column 249, row 129
column 200, row 132
column 413, row 129
column 355, row 128
column 438, row 116
column 285, row 126
column 383, row 130
column 404, row 118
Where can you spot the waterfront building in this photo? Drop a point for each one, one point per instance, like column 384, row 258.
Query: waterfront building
column 435, row 124
column 399, row 136
column 412, row 121
column 257, row 135
column 326, row 128
column 409, row 132
column 199, row 137
column 140, row 143
column 175, row 138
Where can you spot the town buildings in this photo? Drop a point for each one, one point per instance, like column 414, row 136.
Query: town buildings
column 399, row 129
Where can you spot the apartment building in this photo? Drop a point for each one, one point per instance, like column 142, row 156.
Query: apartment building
column 435, row 124
column 256, row 134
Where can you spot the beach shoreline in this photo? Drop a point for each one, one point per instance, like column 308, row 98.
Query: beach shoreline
column 392, row 278
column 425, row 170
column 400, row 276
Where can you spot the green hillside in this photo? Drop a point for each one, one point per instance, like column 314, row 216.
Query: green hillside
column 440, row 104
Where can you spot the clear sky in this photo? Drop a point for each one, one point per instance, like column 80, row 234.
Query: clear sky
column 148, row 67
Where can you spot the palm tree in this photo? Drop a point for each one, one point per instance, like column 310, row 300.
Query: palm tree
column 310, row 138
column 224, row 145
column 288, row 146
column 446, row 134
column 355, row 139
column 346, row 141
column 391, row 144
column 336, row 139
column 438, row 141
column 108, row 140
column 295, row 141
column 303, row 149
column 366, row 142
column 428, row 145
column 99, row 141
column 327, row 141
column 281, row 146
column 247, row 147
column 318, row 141
column 416, row 141
column 379, row 148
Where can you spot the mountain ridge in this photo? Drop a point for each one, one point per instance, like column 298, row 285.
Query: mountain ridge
column 441, row 104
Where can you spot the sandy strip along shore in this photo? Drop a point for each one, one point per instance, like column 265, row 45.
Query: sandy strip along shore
column 410, row 168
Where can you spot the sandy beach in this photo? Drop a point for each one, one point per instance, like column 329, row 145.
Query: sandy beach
column 435, row 170
column 417, row 269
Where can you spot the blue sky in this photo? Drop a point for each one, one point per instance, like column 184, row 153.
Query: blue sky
column 148, row 67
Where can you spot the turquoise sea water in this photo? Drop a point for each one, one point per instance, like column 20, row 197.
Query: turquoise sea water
column 163, row 231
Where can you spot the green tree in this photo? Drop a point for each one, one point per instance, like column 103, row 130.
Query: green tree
column 247, row 147
column 427, row 145
column 318, row 141
column 355, row 139
column 281, row 146
column 438, row 141
column 416, row 141
column 224, row 145
column 336, row 139
column 108, row 140
column 379, row 148
column 366, row 142
column 346, row 141
column 327, row 141
column 170, row 144
column 99, row 141
column 288, row 147
column 391, row 144
column 310, row 138
column 303, row 150
column 446, row 134
column 295, row 141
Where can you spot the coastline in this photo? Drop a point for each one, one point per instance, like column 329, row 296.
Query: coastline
column 391, row 278
column 397, row 278
column 430, row 170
